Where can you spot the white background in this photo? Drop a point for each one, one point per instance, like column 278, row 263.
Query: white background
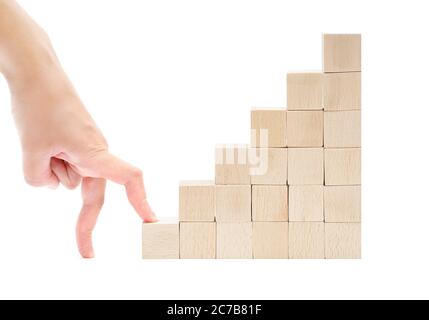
column 166, row 81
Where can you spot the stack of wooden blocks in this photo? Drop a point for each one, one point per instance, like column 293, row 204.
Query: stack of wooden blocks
column 295, row 192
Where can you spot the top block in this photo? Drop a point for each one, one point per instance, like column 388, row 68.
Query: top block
column 197, row 201
column 268, row 128
column 342, row 52
column 304, row 91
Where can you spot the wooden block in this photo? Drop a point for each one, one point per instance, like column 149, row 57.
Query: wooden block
column 197, row 201
column 269, row 203
column 270, row 240
column 343, row 204
column 342, row 91
column 304, row 91
column 343, row 240
column 233, row 203
column 161, row 239
column 271, row 167
column 305, row 128
column 306, row 240
column 197, row 240
column 306, row 203
column 232, row 165
column 341, row 52
column 305, row 166
column 342, row 167
column 234, row 240
column 273, row 121
column 342, row 129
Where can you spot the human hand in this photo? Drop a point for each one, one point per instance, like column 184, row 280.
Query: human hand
column 60, row 141
column 62, row 145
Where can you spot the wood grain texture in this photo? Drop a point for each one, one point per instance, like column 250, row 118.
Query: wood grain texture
column 341, row 52
column 343, row 240
column 342, row 203
column 233, row 203
column 161, row 239
column 343, row 166
column 272, row 166
column 342, row 129
column 305, row 91
column 306, row 203
column 305, row 166
column 273, row 120
column 232, row 165
column 342, row 91
column 197, row 201
column 306, row 240
column 305, row 128
column 234, row 240
column 197, row 240
column 270, row 240
column 269, row 203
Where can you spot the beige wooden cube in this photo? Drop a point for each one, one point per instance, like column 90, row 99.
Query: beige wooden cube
column 161, row 239
column 342, row 166
column 234, row 240
column 342, row 203
column 269, row 203
column 342, row 91
column 270, row 240
column 305, row 91
column 232, row 166
column 197, row 240
column 341, row 52
column 342, row 129
column 305, row 166
column 197, row 201
column 306, row 240
column 269, row 166
column 268, row 128
column 306, row 203
column 305, row 128
column 234, row 203
column 343, row 240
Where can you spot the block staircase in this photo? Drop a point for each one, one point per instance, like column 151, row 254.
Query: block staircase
column 295, row 192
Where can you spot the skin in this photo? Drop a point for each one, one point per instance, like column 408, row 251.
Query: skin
column 61, row 143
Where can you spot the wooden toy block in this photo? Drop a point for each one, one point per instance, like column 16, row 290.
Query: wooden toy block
column 342, row 203
column 269, row 166
column 161, row 239
column 342, row 129
column 342, row 91
column 305, row 166
column 197, row 240
column 305, row 128
column 343, row 240
column 197, row 201
column 270, row 240
column 269, row 203
column 306, row 240
column 341, row 52
column 234, row 240
column 233, row 203
column 268, row 128
column 342, row 167
column 305, row 91
column 306, row 203
column 232, row 165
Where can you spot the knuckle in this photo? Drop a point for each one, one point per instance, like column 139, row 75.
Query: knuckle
column 136, row 174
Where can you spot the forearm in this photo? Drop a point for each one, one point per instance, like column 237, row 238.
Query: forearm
column 25, row 50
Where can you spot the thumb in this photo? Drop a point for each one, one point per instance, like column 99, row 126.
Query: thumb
column 107, row 166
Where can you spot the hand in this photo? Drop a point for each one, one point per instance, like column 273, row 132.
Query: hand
column 62, row 144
